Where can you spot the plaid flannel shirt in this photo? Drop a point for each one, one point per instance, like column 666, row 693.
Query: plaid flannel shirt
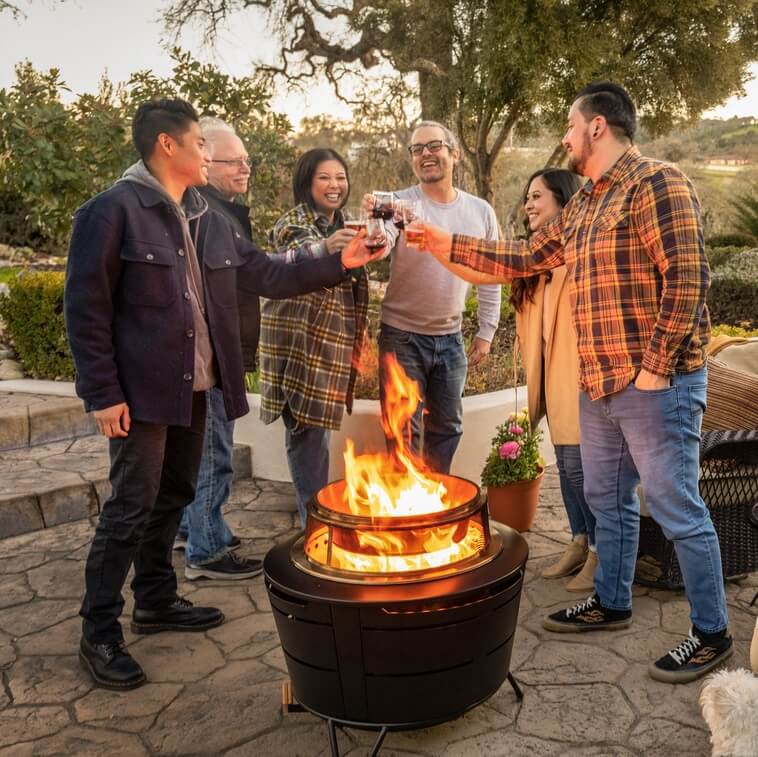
column 633, row 246
column 310, row 345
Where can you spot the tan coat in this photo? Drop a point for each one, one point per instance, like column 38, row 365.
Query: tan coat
column 559, row 395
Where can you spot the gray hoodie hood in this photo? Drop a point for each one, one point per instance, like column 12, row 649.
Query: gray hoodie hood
column 193, row 203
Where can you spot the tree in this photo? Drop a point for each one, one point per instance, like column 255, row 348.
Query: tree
column 54, row 156
column 491, row 66
column 746, row 212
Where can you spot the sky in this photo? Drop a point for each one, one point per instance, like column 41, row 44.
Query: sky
column 87, row 38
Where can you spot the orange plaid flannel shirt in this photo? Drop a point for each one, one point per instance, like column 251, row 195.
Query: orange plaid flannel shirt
column 633, row 247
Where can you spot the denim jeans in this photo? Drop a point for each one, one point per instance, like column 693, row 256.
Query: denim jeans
column 439, row 365
column 153, row 473
column 308, row 459
column 208, row 536
column 571, row 475
column 652, row 437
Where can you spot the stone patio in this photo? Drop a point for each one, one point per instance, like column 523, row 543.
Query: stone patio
column 219, row 693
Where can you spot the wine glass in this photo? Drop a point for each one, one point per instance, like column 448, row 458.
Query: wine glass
column 376, row 235
column 413, row 218
column 384, row 205
column 355, row 218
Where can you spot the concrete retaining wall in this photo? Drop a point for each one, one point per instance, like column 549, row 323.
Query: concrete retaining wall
column 481, row 415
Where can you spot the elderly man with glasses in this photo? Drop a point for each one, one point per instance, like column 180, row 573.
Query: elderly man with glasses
column 421, row 312
column 207, row 540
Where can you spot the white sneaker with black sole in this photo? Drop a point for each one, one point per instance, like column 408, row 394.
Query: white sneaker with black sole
column 228, row 567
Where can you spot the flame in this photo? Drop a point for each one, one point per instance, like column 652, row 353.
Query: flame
column 399, row 484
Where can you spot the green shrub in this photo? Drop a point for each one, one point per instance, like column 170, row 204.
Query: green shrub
column 727, row 330
column 734, row 239
column 718, row 255
column 33, row 315
column 733, row 298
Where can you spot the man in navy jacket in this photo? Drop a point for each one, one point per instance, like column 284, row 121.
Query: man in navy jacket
column 152, row 316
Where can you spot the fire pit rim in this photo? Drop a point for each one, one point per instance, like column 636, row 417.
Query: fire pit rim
column 277, row 564
column 332, row 517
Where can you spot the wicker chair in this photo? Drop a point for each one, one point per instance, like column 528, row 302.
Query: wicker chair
column 729, row 487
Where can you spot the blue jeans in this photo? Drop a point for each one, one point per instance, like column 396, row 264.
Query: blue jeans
column 439, row 365
column 652, row 437
column 208, row 536
column 571, row 475
column 308, row 459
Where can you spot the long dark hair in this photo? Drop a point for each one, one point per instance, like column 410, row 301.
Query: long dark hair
column 564, row 185
column 305, row 169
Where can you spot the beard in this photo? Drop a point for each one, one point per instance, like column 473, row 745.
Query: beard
column 578, row 162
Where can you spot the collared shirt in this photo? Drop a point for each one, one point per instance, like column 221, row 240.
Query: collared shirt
column 633, row 247
column 311, row 345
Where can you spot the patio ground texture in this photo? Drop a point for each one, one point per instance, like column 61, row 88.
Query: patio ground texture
column 219, row 692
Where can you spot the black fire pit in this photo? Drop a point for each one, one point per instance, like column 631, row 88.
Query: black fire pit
column 396, row 651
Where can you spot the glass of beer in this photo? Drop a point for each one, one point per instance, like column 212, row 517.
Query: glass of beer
column 413, row 223
column 355, row 218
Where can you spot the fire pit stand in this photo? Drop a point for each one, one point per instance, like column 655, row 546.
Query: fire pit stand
column 389, row 656
column 290, row 705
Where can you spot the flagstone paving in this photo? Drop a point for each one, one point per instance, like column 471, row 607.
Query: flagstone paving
column 219, row 693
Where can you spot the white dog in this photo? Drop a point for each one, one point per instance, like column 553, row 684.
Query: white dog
column 730, row 707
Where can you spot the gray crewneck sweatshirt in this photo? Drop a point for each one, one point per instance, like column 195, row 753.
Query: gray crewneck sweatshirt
column 193, row 206
column 422, row 295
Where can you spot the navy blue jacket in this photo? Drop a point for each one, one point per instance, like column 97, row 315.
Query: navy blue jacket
column 128, row 313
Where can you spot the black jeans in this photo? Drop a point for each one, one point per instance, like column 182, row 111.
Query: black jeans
column 153, row 475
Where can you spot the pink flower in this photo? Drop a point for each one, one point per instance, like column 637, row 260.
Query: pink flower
column 509, row 450
column 515, row 429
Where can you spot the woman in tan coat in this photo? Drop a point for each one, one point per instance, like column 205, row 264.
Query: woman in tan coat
column 547, row 342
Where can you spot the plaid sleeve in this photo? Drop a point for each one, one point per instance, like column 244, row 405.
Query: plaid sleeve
column 667, row 216
column 295, row 242
column 510, row 258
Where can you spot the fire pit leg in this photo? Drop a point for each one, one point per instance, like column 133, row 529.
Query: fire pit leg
column 333, row 745
column 516, row 688
column 378, row 742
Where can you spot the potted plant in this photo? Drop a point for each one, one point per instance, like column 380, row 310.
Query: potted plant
column 513, row 472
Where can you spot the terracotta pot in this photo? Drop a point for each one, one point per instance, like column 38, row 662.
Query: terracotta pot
column 515, row 504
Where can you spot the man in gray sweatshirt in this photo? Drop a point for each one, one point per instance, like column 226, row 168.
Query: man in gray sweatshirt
column 421, row 312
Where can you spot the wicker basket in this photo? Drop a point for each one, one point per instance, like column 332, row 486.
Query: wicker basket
column 729, row 487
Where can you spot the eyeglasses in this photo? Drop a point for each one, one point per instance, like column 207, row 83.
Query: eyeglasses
column 238, row 162
column 434, row 146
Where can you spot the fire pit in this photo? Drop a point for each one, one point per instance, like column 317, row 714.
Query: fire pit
column 397, row 607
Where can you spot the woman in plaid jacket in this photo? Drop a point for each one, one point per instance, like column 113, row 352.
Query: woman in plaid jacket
column 310, row 345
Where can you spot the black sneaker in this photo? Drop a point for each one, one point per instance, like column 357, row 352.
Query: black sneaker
column 589, row 615
column 694, row 657
column 110, row 665
column 181, row 615
column 235, row 542
column 228, row 567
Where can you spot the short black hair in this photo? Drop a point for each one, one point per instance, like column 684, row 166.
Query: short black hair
column 305, row 169
column 162, row 116
column 614, row 103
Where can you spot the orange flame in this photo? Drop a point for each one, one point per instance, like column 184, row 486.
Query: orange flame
column 399, row 485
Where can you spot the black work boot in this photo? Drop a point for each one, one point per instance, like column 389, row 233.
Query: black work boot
column 181, row 615
column 110, row 665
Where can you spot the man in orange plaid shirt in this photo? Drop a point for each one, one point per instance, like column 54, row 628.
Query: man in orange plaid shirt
column 632, row 241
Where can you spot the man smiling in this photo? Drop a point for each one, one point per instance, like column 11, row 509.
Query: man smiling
column 421, row 311
column 151, row 313
column 632, row 242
